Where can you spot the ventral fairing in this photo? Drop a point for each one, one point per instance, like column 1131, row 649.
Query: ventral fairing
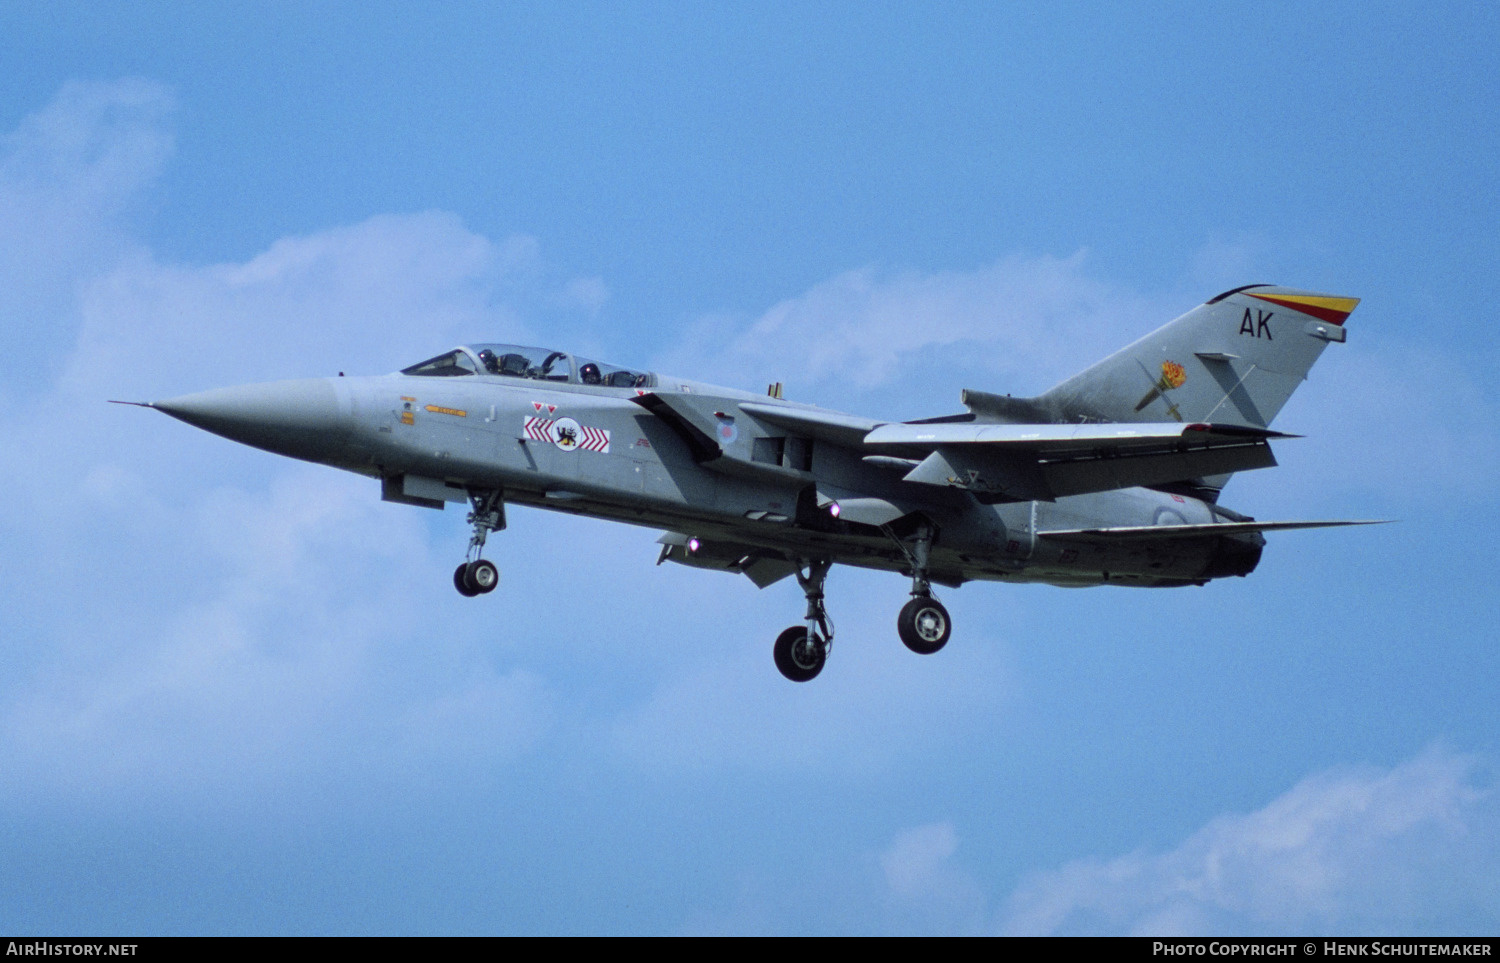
column 1111, row 477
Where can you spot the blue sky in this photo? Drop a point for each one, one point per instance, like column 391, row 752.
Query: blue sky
column 238, row 694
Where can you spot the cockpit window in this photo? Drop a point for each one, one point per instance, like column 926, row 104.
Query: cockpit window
column 541, row 364
column 594, row 373
column 443, row 366
column 514, row 361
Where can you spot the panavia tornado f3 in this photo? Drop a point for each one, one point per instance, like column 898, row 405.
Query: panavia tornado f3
column 1111, row 477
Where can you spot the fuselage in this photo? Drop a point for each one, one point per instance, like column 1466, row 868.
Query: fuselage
column 599, row 450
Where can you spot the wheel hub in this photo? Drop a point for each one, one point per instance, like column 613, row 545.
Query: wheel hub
column 805, row 652
column 930, row 625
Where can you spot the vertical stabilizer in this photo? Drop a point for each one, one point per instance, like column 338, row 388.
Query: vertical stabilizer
column 1234, row 360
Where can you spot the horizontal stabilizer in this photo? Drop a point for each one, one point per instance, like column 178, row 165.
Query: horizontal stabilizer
column 1131, row 532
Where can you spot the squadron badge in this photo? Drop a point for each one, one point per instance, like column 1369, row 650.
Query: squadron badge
column 568, row 434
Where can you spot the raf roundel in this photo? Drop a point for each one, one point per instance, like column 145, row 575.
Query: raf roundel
column 728, row 433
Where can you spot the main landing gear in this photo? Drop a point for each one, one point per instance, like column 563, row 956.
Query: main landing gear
column 924, row 624
column 801, row 650
column 478, row 576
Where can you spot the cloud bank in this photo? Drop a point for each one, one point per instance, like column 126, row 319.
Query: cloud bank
column 1401, row 851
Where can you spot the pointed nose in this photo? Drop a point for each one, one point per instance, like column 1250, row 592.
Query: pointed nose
column 303, row 419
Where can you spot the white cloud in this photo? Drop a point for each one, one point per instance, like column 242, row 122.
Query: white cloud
column 195, row 618
column 925, row 884
column 278, row 662
column 589, row 294
column 93, row 148
column 369, row 298
column 917, row 857
column 67, row 175
column 1021, row 322
column 1355, row 850
column 1408, row 850
column 913, row 885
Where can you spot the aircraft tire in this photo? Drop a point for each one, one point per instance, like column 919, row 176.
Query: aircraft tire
column 924, row 625
column 480, row 577
column 793, row 658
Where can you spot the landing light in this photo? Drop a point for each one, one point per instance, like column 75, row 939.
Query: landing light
column 693, row 544
column 833, row 509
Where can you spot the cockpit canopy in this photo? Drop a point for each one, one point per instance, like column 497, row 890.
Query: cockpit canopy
column 540, row 364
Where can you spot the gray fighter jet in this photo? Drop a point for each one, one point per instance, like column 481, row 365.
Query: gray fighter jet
column 1111, row 477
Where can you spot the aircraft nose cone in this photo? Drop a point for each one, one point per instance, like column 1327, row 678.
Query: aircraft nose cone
column 302, row 419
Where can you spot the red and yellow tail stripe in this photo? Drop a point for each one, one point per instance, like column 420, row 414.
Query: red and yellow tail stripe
column 1322, row 307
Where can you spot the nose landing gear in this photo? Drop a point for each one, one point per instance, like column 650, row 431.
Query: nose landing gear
column 479, row 576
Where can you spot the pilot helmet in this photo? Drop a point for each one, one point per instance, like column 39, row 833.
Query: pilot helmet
column 589, row 373
column 487, row 358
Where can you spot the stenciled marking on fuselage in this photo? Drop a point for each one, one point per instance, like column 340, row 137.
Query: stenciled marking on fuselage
column 440, row 410
column 539, row 405
column 1259, row 326
column 568, row 434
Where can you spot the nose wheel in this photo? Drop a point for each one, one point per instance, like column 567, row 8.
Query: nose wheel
column 479, row 576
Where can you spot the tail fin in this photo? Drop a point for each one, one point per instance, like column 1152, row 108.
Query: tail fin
column 1234, row 360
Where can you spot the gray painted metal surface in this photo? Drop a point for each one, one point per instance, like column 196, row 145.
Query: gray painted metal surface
column 1112, row 476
